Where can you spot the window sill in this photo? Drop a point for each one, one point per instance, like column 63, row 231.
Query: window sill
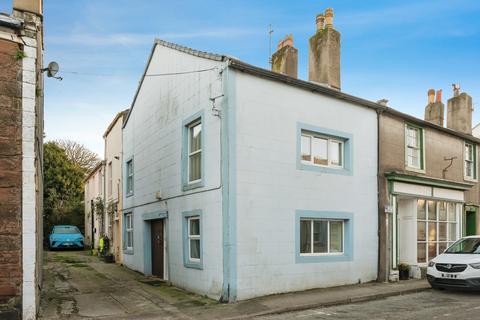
column 128, row 251
column 316, row 258
column 470, row 179
column 332, row 170
column 129, row 195
column 195, row 185
column 418, row 170
column 193, row 265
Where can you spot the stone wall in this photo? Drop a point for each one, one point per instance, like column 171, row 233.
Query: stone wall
column 10, row 180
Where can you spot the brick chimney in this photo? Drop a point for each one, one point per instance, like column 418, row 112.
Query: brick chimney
column 459, row 111
column 324, row 52
column 285, row 59
column 33, row 6
column 435, row 109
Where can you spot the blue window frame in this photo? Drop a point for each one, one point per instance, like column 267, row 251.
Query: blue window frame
column 324, row 150
column 192, row 239
column 323, row 236
column 193, row 154
column 127, row 233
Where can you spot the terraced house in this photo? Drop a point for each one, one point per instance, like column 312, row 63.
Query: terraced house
column 428, row 182
column 241, row 182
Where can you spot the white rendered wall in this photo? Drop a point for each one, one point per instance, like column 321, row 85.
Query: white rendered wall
column 113, row 148
column 153, row 137
column 271, row 188
column 93, row 190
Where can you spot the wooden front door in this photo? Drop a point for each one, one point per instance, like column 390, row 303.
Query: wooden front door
column 157, row 248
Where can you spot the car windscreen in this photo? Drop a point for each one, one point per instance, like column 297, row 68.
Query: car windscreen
column 467, row 245
column 66, row 230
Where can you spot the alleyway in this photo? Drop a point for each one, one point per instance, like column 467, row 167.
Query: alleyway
column 79, row 286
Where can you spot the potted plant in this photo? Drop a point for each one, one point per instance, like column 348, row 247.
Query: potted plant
column 109, row 258
column 403, row 270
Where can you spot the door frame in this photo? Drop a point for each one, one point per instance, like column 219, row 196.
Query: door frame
column 147, row 242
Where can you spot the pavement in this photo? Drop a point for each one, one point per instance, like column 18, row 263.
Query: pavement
column 429, row 304
column 79, row 286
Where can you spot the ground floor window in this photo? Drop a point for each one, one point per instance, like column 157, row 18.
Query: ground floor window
column 321, row 236
column 193, row 239
column 129, row 231
column 436, row 228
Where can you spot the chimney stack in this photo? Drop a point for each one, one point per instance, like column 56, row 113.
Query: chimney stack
column 324, row 52
column 459, row 111
column 33, row 6
column 285, row 59
column 435, row 109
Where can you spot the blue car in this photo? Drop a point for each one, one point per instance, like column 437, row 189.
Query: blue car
column 65, row 237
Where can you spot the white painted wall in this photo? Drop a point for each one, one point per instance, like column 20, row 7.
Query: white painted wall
column 113, row 189
column 271, row 188
column 153, row 136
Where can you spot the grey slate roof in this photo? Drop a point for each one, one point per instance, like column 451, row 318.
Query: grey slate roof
column 307, row 85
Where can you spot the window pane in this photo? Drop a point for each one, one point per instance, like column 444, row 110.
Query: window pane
column 421, row 253
column 195, row 164
column 432, row 250
column 452, row 232
column 413, row 157
column 194, row 227
column 336, row 153
column 195, row 249
column 421, row 231
column 421, row 209
column 468, row 169
column 319, row 151
column 432, row 214
column 442, row 231
column 195, row 137
column 306, row 151
column 336, row 236
column 442, row 211
column 432, row 231
column 320, row 236
column 451, row 212
column 468, row 152
column 412, row 137
column 305, row 236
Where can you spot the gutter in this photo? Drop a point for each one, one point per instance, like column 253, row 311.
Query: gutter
column 10, row 22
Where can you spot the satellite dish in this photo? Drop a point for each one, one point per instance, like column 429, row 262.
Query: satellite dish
column 52, row 69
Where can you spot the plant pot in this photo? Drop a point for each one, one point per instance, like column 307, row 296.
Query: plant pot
column 109, row 259
column 403, row 274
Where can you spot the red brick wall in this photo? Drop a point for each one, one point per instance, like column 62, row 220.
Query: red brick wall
column 10, row 180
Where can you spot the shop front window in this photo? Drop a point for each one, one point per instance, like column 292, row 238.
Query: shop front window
column 436, row 228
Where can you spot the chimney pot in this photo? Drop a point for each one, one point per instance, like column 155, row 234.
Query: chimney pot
column 431, row 95
column 438, row 98
column 383, row 102
column 320, row 21
column 329, row 18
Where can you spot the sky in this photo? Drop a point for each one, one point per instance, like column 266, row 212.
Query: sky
column 390, row 49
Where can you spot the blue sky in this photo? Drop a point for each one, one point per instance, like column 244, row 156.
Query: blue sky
column 390, row 49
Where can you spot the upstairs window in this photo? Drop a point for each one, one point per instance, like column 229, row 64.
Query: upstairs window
column 321, row 150
column 414, row 147
column 195, row 152
column 129, row 177
column 470, row 167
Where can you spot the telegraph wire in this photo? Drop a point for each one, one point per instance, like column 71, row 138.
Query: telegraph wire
column 147, row 75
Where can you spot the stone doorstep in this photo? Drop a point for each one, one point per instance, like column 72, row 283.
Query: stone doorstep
column 403, row 288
